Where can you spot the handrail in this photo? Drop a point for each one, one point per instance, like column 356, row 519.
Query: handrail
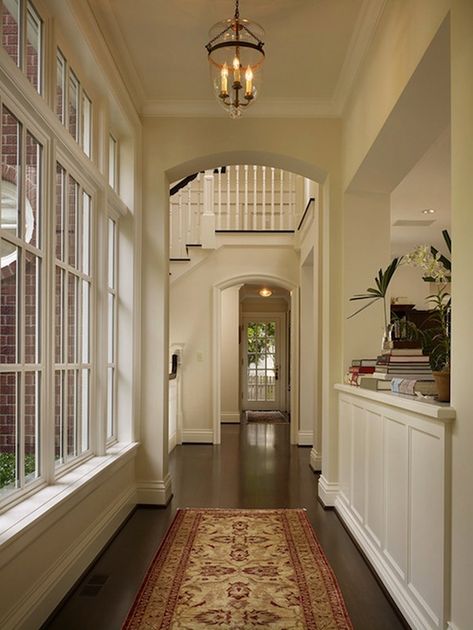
column 190, row 178
column 312, row 199
column 174, row 366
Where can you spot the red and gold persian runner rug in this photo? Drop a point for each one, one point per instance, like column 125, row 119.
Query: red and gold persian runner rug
column 236, row 570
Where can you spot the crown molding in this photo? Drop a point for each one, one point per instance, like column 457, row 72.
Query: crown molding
column 360, row 42
column 264, row 108
column 112, row 36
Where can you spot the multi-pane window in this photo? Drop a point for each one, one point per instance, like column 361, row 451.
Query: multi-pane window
column 113, row 162
column 112, row 328
column 21, row 300
column 73, row 280
column 73, row 106
column 22, row 38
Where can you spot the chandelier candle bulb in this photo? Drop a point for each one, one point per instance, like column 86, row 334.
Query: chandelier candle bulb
column 249, row 81
column 224, row 79
column 236, row 70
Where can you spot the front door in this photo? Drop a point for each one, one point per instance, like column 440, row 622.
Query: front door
column 261, row 362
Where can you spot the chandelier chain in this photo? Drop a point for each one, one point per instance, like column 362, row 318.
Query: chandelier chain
column 237, row 9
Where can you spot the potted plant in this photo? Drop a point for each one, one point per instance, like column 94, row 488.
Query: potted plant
column 435, row 334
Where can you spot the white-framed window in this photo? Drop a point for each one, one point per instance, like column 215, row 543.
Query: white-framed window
column 73, row 106
column 72, row 318
column 22, row 299
column 113, row 162
column 112, row 327
column 22, row 38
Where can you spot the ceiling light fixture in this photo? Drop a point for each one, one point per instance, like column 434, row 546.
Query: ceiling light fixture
column 428, row 211
column 265, row 292
column 236, row 56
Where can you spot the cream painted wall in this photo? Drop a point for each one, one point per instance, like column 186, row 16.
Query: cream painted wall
column 174, row 148
column 462, row 299
column 366, row 249
column 61, row 546
column 307, row 354
column 193, row 326
column 229, row 366
column 405, row 31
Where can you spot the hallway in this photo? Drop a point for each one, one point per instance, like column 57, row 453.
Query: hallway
column 255, row 467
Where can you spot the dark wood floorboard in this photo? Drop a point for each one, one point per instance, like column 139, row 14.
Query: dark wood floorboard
column 255, row 467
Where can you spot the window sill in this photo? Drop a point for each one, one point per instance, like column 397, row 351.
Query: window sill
column 28, row 519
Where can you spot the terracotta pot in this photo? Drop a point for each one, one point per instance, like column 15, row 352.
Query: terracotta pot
column 442, row 380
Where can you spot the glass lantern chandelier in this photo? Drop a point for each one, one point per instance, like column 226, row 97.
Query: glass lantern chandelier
column 236, row 56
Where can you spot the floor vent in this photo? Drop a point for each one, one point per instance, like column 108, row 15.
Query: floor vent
column 93, row 586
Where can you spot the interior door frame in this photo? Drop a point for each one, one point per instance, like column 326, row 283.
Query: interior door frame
column 216, row 327
column 281, row 346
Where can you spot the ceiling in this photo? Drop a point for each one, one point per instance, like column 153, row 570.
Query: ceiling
column 426, row 186
column 313, row 49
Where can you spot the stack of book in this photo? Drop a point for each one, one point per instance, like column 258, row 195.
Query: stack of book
column 404, row 363
column 359, row 368
column 413, row 387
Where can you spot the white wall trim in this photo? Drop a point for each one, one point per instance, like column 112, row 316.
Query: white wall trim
column 172, row 442
column 452, row 626
column 315, row 460
column 305, row 438
column 328, row 491
column 401, row 595
column 197, row 436
column 37, row 603
column 230, row 417
column 154, row 492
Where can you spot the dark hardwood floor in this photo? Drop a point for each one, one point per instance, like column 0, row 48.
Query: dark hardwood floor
column 255, row 467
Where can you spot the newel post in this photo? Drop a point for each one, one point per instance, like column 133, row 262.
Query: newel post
column 207, row 224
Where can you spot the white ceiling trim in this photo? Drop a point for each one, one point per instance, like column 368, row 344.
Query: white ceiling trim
column 112, row 35
column 264, row 108
column 360, row 42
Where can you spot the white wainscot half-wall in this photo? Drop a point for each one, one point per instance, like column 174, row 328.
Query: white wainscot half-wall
column 394, row 495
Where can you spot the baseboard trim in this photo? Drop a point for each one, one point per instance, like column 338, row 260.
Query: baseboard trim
column 401, row 596
column 198, row 436
column 328, row 492
column 230, row 417
column 172, row 442
column 154, row 492
column 315, row 460
column 305, row 438
column 44, row 596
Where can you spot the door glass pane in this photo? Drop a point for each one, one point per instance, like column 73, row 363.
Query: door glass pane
column 32, row 308
column 60, row 86
column 72, row 319
column 9, row 431
column 9, row 303
column 10, row 29
column 110, row 401
column 33, row 47
column 84, row 410
column 86, row 124
column 32, row 411
column 85, row 321
column 72, row 217
column 71, row 412
column 11, row 141
column 59, row 416
column 73, row 109
column 59, row 316
column 261, row 361
column 85, row 233
column 60, row 212
column 33, row 191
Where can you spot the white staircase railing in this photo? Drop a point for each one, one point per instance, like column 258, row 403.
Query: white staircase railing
column 234, row 198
